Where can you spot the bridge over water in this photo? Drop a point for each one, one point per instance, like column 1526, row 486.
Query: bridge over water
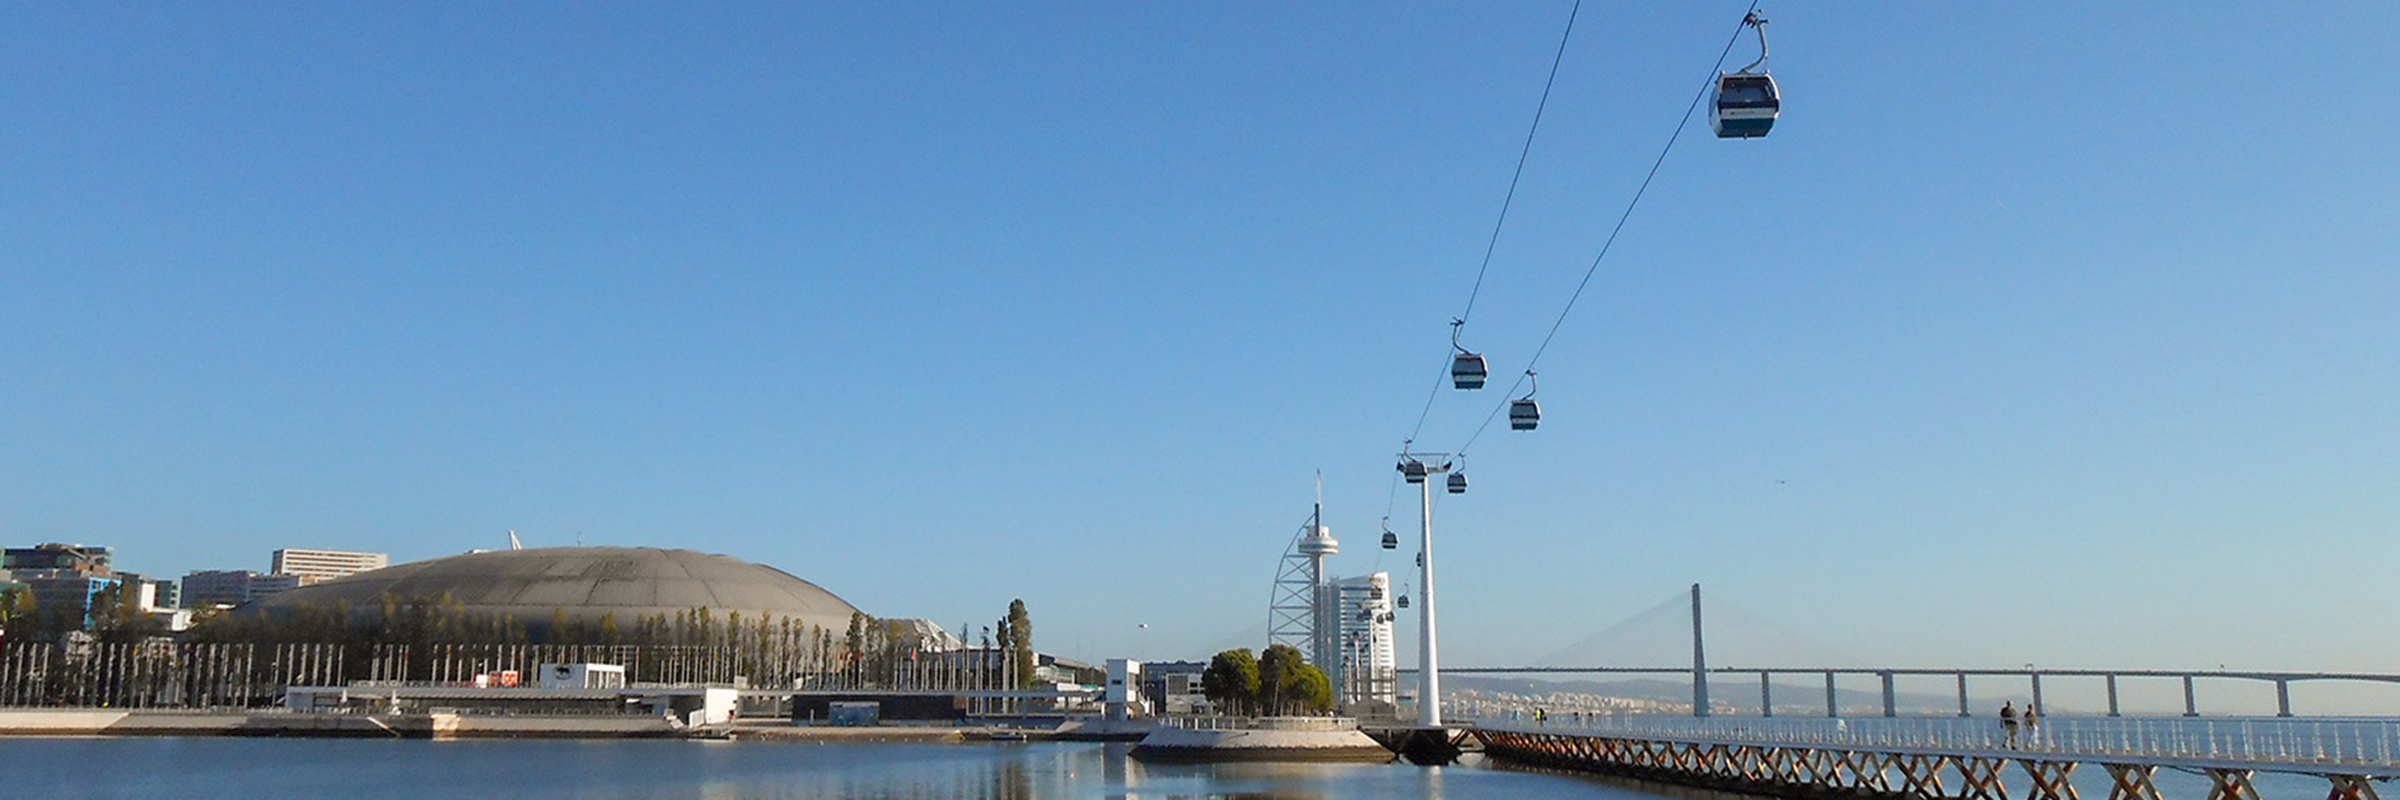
column 1968, row 759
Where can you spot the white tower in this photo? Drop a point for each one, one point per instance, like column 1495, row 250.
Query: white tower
column 1325, row 639
column 1299, row 615
column 1420, row 469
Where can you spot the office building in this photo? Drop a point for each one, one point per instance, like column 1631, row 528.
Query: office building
column 232, row 587
column 89, row 560
column 63, row 595
column 318, row 566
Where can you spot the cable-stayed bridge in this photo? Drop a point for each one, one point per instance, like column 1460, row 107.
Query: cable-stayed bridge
column 1742, row 729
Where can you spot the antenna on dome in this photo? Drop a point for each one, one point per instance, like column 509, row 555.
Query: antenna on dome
column 513, row 544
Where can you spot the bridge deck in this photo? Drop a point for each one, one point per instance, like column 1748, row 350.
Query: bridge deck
column 2367, row 748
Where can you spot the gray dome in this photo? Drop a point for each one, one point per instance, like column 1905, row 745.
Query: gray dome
column 585, row 583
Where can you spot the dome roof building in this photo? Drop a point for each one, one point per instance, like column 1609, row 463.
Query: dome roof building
column 584, row 584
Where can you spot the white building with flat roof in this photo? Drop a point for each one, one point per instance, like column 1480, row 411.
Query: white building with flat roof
column 1369, row 670
column 231, row 587
column 317, row 566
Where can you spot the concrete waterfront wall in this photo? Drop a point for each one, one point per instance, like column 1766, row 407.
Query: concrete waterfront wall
column 105, row 722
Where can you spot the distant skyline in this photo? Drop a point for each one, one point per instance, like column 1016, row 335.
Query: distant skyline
column 2041, row 332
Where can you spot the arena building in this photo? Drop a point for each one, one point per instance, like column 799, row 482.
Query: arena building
column 584, row 584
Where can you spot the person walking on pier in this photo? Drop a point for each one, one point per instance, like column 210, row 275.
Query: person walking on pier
column 2033, row 725
column 2008, row 722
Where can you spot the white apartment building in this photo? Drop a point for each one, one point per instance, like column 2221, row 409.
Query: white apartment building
column 1369, row 672
column 317, row 566
column 231, row 587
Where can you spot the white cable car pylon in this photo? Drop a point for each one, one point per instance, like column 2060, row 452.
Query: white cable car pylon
column 1747, row 101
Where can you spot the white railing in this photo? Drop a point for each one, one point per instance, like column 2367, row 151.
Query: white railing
column 1261, row 723
column 2323, row 741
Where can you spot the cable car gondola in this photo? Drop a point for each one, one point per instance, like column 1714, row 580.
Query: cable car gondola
column 1747, row 102
column 1402, row 601
column 1391, row 541
column 1458, row 483
column 1523, row 413
column 1466, row 369
column 1413, row 470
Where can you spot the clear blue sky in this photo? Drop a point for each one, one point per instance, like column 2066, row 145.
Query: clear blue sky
column 2036, row 332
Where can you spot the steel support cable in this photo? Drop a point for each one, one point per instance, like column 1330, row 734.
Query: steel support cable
column 1611, row 241
column 1506, row 201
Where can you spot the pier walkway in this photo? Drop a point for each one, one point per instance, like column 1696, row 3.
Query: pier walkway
column 1963, row 759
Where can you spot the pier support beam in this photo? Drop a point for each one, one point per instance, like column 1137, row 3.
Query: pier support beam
column 1962, row 695
column 2351, row 787
column 2231, row 784
column 2191, row 705
column 1830, row 711
column 1766, row 696
column 2132, row 782
column 1889, row 708
column 2038, row 708
column 2112, row 696
column 2050, row 780
column 2283, row 698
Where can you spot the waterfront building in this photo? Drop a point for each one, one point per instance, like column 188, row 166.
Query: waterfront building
column 166, row 593
column 64, row 595
column 584, row 586
column 318, row 566
column 86, row 559
column 1367, row 676
column 232, row 587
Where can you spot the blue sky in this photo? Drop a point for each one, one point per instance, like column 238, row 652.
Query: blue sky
column 2036, row 332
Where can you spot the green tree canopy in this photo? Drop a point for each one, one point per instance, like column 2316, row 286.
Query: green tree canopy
column 1276, row 670
column 1020, row 641
column 1309, row 690
column 1231, row 680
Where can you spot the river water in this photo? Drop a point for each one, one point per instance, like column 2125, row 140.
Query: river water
column 361, row 769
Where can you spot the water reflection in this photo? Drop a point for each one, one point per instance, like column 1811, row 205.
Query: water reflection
column 270, row 769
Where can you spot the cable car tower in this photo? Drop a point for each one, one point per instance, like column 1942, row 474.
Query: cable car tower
column 1418, row 468
column 1300, row 614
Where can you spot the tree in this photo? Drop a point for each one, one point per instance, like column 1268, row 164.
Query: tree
column 1020, row 632
column 1276, row 670
column 17, row 611
column 117, row 617
column 1310, row 690
column 1231, row 680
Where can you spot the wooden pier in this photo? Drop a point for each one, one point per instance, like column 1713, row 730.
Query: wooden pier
column 1875, row 764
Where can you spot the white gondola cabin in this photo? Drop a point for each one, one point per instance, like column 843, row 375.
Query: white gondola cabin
column 1467, row 371
column 1524, row 414
column 1746, row 106
column 1747, row 101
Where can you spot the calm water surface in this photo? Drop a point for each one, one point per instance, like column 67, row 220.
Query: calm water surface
column 358, row 769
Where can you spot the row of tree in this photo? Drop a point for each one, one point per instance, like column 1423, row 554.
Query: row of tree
column 871, row 651
column 1277, row 683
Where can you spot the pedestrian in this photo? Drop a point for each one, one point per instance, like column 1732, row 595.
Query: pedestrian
column 2033, row 724
column 2008, row 722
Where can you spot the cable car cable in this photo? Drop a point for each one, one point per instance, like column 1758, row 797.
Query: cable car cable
column 1506, row 201
column 1713, row 71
